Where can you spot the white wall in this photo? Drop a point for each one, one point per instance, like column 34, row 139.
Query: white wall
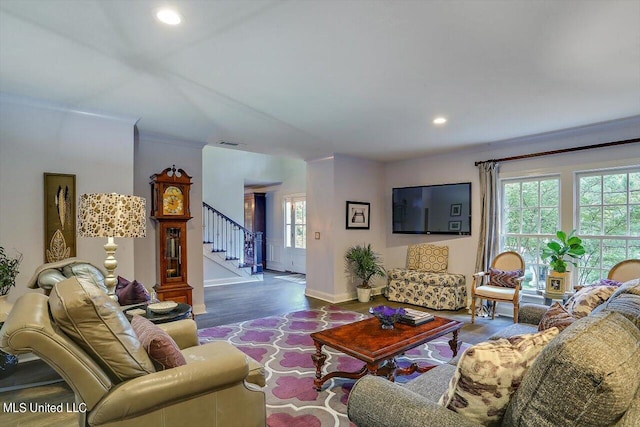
column 152, row 155
column 37, row 138
column 335, row 181
column 459, row 167
column 225, row 173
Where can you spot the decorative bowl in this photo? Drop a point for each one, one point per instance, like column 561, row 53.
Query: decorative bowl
column 162, row 307
column 387, row 315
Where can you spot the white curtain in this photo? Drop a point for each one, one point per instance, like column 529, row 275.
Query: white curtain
column 489, row 203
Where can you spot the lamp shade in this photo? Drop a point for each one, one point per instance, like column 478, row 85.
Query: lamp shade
column 111, row 215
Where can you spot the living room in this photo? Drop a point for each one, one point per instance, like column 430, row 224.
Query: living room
column 118, row 150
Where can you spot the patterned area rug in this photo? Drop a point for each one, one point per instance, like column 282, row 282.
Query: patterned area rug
column 283, row 345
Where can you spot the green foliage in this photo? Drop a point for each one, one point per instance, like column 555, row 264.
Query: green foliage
column 8, row 271
column 564, row 246
column 364, row 263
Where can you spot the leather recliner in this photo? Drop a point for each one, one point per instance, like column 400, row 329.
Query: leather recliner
column 212, row 389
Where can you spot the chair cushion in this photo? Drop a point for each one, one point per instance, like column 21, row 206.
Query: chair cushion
column 94, row 322
column 160, row 347
column 588, row 298
column 131, row 292
column 489, row 373
column 497, row 292
column 86, row 273
column 427, row 257
column 505, row 278
column 586, row 377
column 556, row 316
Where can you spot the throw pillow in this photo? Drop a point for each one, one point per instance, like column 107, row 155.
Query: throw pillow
column 160, row 347
column 556, row 316
column 606, row 282
column 426, row 257
column 505, row 278
column 489, row 373
column 131, row 292
column 588, row 298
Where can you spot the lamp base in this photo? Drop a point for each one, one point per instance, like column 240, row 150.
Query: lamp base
column 110, row 264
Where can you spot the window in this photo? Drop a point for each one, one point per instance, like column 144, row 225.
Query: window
column 608, row 217
column 295, row 220
column 529, row 217
column 605, row 214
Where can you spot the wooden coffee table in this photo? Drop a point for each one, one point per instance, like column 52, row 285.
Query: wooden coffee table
column 377, row 348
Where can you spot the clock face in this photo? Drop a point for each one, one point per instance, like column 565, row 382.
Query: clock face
column 172, row 201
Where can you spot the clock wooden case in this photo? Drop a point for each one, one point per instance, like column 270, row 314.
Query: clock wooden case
column 170, row 209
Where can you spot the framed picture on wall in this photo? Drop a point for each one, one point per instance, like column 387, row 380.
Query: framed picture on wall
column 59, row 216
column 456, row 210
column 358, row 215
column 455, row 225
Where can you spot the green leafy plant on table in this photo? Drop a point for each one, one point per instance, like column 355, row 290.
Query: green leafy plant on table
column 562, row 250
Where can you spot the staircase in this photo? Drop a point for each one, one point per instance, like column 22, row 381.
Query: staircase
column 230, row 242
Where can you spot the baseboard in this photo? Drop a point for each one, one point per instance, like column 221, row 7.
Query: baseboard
column 232, row 280
column 199, row 309
column 344, row 297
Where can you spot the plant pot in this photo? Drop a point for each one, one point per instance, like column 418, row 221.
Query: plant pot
column 558, row 283
column 364, row 294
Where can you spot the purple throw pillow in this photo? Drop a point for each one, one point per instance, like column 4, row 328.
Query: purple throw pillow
column 504, row 278
column 131, row 292
column 606, row 282
column 161, row 348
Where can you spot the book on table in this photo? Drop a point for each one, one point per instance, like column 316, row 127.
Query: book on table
column 415, row 317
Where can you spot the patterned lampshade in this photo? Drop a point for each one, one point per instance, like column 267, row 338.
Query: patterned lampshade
column 111, row 215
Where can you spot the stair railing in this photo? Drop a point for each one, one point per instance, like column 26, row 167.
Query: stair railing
column 226, row 235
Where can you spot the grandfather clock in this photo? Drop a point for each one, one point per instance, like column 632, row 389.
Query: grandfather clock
column 170, row 209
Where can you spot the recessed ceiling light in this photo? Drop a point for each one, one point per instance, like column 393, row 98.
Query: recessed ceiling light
column 169, row 16
column 439, row 121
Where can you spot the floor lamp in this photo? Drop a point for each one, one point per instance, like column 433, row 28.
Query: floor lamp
column 111, row 215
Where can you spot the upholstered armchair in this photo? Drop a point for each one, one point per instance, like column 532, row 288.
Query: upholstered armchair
column 425, row 281
column 625, row 270
column 500, row 284
column 47, row 275
column 82, row 334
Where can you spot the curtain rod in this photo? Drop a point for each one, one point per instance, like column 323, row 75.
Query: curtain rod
column 564, row 150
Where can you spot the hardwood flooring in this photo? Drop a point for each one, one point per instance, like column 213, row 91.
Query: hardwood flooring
column 225, row 304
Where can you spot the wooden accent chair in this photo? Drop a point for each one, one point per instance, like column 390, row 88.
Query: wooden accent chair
column 625, row 270
column 495, row 288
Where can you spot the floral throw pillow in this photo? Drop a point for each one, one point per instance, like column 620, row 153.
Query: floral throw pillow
column 489, row 373
column 588, row 298
column 556, row 316
column 161, row 348
column 504, row 278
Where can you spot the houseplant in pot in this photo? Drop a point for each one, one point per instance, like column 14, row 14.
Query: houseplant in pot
column 8, row 272
column 363, row 263
column 564, row 249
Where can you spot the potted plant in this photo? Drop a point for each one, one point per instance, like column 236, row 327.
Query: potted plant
column 362, row 262
column 565, row 249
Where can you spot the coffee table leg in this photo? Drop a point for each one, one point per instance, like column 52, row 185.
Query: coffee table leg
column 318, row 360
column 454, row 344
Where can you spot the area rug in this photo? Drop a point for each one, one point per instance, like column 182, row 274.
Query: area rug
column 298, row 278
column 283, row 345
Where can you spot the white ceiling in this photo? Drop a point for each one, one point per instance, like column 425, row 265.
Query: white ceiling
column 311, row 78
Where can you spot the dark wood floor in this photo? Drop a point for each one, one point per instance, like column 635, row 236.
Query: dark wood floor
column 225, row 304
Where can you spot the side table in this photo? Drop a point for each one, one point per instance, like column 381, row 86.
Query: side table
column 182, row 311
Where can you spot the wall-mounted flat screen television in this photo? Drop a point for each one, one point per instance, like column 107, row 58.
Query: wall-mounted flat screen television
column 432, row 209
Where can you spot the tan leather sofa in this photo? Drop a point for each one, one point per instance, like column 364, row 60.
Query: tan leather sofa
column 212, row 389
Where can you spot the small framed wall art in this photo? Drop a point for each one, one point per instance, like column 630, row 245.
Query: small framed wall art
column 358, row 215
column 455, row 225
column 59, row 216
column 456, row 209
